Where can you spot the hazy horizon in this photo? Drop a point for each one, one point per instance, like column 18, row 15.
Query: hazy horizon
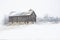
column 41, row 7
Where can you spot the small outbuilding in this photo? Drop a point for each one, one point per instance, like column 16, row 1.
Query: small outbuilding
column 24, row 17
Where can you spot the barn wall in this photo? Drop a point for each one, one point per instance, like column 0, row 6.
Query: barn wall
column 33, row 17
column 22, row 19
column 15, row 19
column 30, row 18
column 10, row 19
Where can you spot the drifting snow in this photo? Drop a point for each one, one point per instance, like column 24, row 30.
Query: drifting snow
column 31, row 32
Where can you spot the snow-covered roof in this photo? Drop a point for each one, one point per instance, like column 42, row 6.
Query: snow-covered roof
column 22, row 13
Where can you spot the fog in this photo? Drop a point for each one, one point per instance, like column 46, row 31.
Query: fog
column 41, row 7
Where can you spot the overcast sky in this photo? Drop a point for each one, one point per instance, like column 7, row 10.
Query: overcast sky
column 41, row 7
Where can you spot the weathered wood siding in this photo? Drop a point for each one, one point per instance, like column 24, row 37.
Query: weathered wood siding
column 27, row 18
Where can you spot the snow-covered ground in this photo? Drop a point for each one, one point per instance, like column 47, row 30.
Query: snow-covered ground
column 38, row 31
column 45, row 31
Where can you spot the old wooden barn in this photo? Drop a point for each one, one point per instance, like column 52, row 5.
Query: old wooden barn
column 24, row 17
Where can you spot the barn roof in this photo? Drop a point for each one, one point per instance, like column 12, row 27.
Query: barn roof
column 21, row 14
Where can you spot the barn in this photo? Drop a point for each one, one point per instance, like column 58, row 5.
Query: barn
column 24, row 17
